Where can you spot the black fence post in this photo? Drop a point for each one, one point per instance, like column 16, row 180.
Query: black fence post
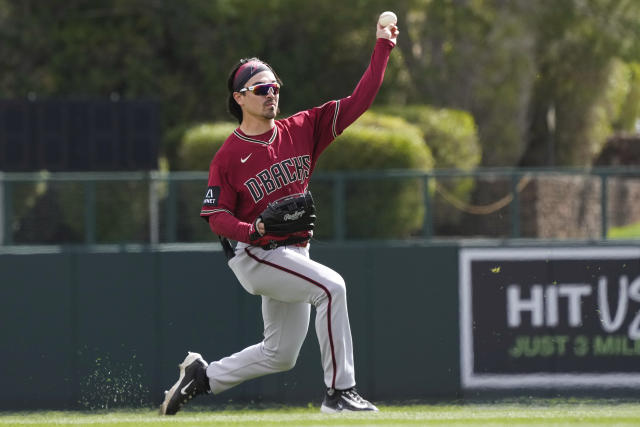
column 515, row 206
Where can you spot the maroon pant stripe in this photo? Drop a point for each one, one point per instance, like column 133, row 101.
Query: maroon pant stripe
column 326, row 291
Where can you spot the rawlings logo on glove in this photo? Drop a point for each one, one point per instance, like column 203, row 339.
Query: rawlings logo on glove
column 293, row 216
column 286, row 216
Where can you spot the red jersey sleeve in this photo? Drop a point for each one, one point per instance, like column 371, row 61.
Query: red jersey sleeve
column 219, row 197
column 332, row 118
column 219, row 204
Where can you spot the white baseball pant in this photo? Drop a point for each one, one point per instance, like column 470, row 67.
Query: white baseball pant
column 289, row 283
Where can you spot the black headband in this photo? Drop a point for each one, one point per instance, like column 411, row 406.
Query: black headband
column 246, row 71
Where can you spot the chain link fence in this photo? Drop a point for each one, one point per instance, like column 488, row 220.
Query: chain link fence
column 156, row 207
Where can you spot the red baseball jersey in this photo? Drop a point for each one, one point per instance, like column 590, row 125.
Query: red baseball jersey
column 249, row 172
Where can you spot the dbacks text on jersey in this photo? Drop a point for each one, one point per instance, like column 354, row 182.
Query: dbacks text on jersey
column 279, row 175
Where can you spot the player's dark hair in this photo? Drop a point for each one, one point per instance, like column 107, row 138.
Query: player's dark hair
column 232, row 106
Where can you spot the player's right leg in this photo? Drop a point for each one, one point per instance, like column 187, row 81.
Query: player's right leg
column 192, row 382
column 285, row 328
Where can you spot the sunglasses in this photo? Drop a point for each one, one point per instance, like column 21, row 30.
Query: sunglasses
column 262, row 89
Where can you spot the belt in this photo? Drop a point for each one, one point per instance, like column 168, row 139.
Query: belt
column 291, row 241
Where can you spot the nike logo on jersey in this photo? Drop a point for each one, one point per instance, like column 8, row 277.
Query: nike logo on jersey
column 183, row 390
column 242, row 160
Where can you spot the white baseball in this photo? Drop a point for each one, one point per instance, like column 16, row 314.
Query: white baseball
column 387, row 18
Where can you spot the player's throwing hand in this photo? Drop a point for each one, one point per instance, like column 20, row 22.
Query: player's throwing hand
column 387, row 27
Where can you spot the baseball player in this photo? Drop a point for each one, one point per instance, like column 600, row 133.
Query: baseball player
column 257, row 195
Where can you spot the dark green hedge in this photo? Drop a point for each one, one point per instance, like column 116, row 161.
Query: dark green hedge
column 200, row 143
column 375, row 208
column 450, row 134
column 377, row 141
column 452, row 137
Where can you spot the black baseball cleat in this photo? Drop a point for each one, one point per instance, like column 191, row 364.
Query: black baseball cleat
column 345, row 400
column 192, row 382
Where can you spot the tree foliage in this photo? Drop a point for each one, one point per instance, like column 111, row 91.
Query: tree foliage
column 536, row 75
column 576, row 44
column 515, row 64
column 180, row 52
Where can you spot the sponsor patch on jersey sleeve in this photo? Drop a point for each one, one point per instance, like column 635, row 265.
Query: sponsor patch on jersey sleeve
column 212, row 196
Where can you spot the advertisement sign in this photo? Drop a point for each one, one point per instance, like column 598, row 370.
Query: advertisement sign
column 550, row 317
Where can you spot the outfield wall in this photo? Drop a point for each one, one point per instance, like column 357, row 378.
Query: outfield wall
column 103, row 326
column 84, row 328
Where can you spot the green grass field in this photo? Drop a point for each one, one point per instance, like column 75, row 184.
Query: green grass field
column 631, row 231
column 512, row 415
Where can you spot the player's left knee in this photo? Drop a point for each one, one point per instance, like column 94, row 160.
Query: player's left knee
column 283, row 361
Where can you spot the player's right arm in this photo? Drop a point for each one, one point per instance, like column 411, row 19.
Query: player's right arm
column 219, row 204
column 226, row 225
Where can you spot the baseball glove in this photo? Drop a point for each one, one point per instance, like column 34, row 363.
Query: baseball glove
column 288, row 215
